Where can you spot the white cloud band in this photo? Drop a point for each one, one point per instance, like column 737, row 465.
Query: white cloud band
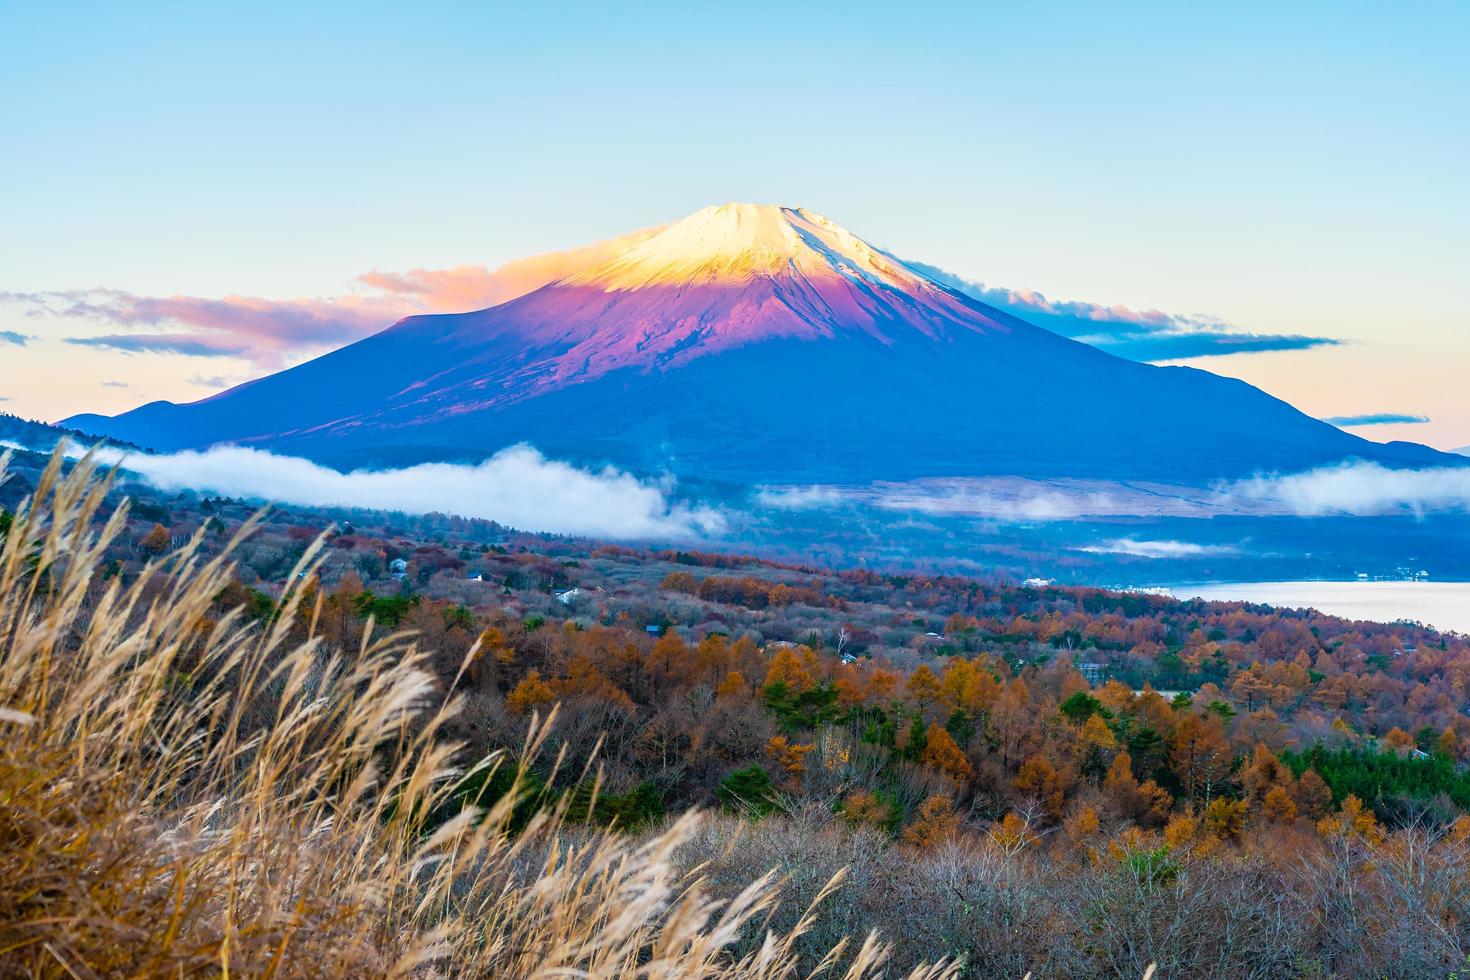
column 517, row 486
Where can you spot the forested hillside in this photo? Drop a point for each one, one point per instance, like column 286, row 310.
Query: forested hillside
column 998, row 764
column 43, row 435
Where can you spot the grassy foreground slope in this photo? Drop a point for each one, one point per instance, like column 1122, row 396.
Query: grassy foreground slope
column 315, row 743
column 186, row 794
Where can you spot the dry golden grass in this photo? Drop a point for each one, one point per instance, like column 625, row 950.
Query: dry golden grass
column 182, row 796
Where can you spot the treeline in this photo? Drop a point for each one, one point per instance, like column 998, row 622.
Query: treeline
column 1002, row 699
column 955, row 741
column 1071, row 779
column 1011, row 816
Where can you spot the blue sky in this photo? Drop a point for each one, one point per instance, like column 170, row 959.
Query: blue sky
column 1293, row 171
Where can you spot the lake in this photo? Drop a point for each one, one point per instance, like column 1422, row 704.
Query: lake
column 1444, row 605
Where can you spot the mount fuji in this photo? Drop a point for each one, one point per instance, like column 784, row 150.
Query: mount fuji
column 757, row 344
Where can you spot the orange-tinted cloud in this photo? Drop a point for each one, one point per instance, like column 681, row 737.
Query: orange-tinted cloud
column 269, row 332
column 473, row 287
column 264, row 331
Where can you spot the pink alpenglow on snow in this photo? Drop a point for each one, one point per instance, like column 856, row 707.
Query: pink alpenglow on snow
column 727, row 276
column 751, row 344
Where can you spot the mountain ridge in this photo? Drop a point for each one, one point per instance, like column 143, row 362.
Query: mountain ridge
column 757, row 343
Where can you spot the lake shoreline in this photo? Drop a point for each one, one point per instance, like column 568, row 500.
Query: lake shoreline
column 1445, row 606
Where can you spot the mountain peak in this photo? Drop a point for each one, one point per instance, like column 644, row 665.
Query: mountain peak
column 734, row 243
column 756, row 343
column 721, row 278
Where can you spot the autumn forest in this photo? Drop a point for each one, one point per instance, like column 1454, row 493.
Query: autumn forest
column 1220, row 788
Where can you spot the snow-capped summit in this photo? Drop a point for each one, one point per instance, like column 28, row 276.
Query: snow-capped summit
column 724, row 277
column 733, row 243
column 755, row 343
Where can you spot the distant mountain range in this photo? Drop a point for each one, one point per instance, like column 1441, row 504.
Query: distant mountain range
column 757, row 344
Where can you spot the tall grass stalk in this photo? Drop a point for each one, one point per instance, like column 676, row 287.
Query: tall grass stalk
column 185, row 793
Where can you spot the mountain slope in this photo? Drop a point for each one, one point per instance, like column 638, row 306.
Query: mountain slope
column 757, row 343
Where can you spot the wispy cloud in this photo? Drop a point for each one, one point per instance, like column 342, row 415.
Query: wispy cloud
column 217, row 381
column 1361, row 489
column 266, row 332
column 472, row 287
column 1140, row 335
column 269, row 333
column 1028, row 504
column 14, row 337
column 116, row 384
column 1349, row 488
column 518, row 486
column 1381, row 418
column 1183, row 345
column 192, row 345
column 1004, row 498
column 801, row 498
column 1160, row 549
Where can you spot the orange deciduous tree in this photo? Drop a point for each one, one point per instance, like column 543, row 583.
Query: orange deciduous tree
column 1278, row 805
column 789, row 755
column 933, row 824
column 943, row 753
column 923, row 686
column 862, row 807
column 1312, row 795
column 1398, row 740
column 530, row 693
column 1013, row 833
column 1225, row 818
column 1039, row 778
column 156, row 541
column 1199, row 755
column 786, row 668
column 733, row 686
column 1353, row 820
